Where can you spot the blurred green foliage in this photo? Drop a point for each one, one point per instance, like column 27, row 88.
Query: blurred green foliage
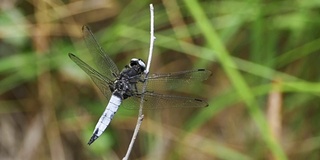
column 263, row 95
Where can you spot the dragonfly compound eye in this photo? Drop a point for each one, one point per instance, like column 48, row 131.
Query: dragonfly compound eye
column 136, row 61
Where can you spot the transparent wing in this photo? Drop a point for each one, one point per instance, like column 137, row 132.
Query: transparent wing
column 101, row 81
column 170, row 81
column 161, row 101
column 103, row 62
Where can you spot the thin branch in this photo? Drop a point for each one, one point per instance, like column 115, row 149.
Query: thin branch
column 152, row 38
column 140, row 118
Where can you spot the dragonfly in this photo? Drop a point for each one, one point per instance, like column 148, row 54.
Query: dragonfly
column 125, row 87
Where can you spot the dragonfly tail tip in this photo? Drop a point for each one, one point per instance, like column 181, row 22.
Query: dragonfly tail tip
column 92, row 139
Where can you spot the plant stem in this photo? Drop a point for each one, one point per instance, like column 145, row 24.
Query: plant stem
column 140, row 117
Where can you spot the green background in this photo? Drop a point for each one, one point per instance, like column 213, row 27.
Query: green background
column 263, row 95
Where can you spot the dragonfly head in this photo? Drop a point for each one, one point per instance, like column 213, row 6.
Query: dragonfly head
column 138, row 64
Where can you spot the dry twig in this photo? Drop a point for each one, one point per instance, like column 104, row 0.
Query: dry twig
column 140, row 118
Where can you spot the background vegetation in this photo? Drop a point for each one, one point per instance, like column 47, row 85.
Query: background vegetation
column 263, row 95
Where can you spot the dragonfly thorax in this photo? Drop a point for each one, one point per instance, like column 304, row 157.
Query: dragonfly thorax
column 125, row 85
column 123, row 88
